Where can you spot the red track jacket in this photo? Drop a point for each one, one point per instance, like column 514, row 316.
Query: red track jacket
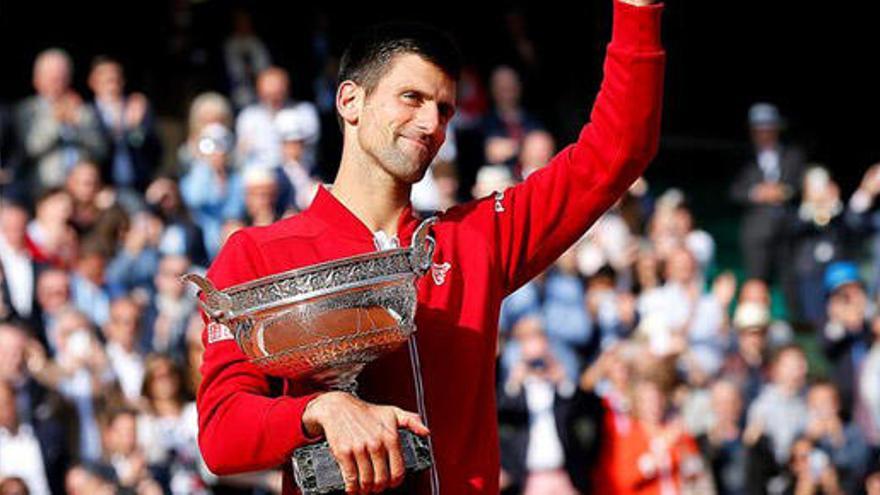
column 487, row 249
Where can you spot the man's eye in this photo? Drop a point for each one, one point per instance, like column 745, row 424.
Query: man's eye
column 411, row 96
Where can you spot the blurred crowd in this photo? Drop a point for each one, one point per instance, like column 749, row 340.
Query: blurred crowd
column 634, row 365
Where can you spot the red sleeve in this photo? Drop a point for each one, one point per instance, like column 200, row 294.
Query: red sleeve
column 536, row 221
column 241, row 427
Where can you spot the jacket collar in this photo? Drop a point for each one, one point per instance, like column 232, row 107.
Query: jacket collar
column 329, row 210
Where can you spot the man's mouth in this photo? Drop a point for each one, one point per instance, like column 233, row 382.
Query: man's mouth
column 424, row 144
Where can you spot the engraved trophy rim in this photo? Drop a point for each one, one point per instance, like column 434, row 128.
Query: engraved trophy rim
column 233, row 302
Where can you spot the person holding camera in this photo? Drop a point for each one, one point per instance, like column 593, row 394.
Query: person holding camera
column 529, row 403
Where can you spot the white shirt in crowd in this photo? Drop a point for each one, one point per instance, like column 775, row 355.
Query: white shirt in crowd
column 18, row 272
column 129, row 369
column 20, row 456
column 545, row 449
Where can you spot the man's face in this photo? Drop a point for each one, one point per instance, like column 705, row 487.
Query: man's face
column 402, row 123
column 106, row 81
column 765, row 137
column 272, row 89
column 791, row 370
column 51, row 76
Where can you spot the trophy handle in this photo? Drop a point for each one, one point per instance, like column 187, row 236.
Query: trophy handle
column 217, row 305
column 422, row 247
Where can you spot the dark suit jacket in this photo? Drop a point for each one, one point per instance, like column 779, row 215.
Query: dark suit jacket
column 143, row 146
column 762, row 221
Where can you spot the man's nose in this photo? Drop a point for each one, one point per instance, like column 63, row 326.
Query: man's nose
column 428, row 118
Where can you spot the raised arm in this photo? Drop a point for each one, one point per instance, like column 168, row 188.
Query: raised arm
column 529, row 225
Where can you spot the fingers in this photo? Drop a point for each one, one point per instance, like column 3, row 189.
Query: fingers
column 349, row 470
column 364, row 469
column 397, row 468
column 379, row 456
column 411, row 421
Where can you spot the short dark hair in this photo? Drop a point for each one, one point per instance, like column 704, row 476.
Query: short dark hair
column 370, row 52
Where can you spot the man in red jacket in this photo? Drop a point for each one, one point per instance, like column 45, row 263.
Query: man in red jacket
column 395, row 99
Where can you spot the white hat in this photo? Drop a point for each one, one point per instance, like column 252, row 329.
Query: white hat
column 297, row 124
column 750, row 315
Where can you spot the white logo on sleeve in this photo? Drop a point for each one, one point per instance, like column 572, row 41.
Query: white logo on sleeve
column 499, row 196
column 218, row 332
column 439, row 271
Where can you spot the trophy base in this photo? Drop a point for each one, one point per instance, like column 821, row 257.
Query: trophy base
column 316, row 471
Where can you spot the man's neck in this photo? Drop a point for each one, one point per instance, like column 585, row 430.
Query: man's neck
column 371, row 194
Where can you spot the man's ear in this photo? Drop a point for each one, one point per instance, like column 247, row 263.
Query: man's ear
column 350, row 101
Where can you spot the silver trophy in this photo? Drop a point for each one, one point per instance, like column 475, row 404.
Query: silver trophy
column 322, row 324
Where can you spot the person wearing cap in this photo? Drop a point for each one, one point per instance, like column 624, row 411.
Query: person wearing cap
column 846, row 337
column 765, row 188
column 745, row 364
column 297, row 127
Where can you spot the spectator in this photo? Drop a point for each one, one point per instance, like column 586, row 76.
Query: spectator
column 13, row 486
column 54, row 239
column 721, row 444
column 206, row 109
column 613, row 313
column 131, row 271
column 20, row 453
column 528, row 405
column 88, row 285
column 122, row 334
column 780, row 411
column 841, row 440
column 745, row 364
column 53, row 297
column 868, row 407
column 821, row 234
column 84, row 186
column 57, row 129
column 245, row 55
column 808, row 471
column 17, row 259
column 48, row 415
column 672, row 225
column 538, row 148
column 684, row 307
column 260, row 196
column 862, row 204
column 259, row 143
column 213, row 189
column 492, row 179
column 508, row 123
column 123, row 460
column 168, row 312
column 182, row 235
column 127, row 123
column 846, row 336
column 766, row 187
column 655, row 455
column 81, row 480
column 297, row 185
column 167, row 427
column 80, row 372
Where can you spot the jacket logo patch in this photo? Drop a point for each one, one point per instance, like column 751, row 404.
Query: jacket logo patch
column 218, row 332
column 439, row 271
column 499, row 197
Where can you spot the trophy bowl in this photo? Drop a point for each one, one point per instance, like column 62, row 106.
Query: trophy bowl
column 323, row 323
